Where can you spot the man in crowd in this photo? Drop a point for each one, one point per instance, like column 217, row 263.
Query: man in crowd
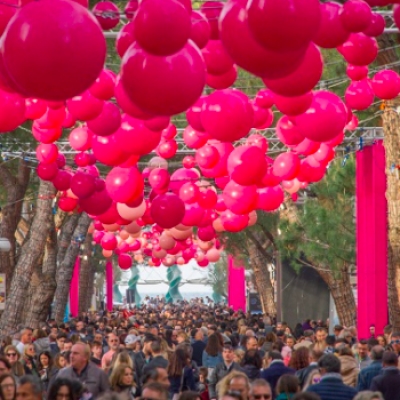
column 157, row 360
column 198, row 346
column 26, row 338
column 260, row 390
column 388, row 381
column 154, row 390
column 29, row 388
column 368, row 373
column 362, row 357
column 113, row 345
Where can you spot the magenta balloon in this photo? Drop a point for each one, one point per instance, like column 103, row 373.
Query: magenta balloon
column 194, row 139
column 357, row 73
column 167, row 149
column 240, row 199
column 233, row 222
column 208, row 199
column 46, row 135
column 7, row 11
column 286, row 166
column 109, row 241
column 246, row 52
column 131, row 8
column 80, row 139
column 62, row 180
column 376, row 26
column 206, row 234
column 47, row 153
column 124, row 184
column 125, row 38
column 216, row 58
column 107, row 122
column 309, row 173
column 107, row 14
column 270, row 198
column 356, row 15
column 124, row 261
column 306, row 147
column 67, row 204
column 324, row 154
column 386, row 84
column 193, row 115
column 13, row 109
column 287, row 132
column 293, row 106
column 97, row 204
column 223, row 81
column 189, row 162
column 182, row 176
column 331, row 32
column 325, row 119
column 103, row 87
column 83, row 185
column 193, row 215
column 227, row 115
column 359, row 95
column 158, row 124
column 189, row 192
column 35, row 108
column 359, row 49
column 396, row 15
column 85, row 106
column 264, row 98
column 47, row 172
column 212, row 10
column 284, row 25
column 207, row 156
column 111, row 216
column 80, row 47
column 167, row 210
column 303, row 79
column 220, row 169
column 257, row 140
column 200, row 31
column 159, row 178
column 247, row 165
column 106, row 149
column 163, row 85
column 269, row 179
column 263, row 117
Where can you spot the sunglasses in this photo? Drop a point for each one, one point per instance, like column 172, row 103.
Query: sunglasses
column 262, row 396
column 11, row 354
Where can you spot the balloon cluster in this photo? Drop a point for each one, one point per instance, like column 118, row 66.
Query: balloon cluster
column 169, row 53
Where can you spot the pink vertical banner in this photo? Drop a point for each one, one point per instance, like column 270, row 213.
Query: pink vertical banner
column 372, row 240
column 109, row 285
column 74, row 289
column 236, row 286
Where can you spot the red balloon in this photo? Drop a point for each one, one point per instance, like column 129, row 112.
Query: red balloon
column 167, row 210
column 212, row 10
column 217, row 60
column 220, row 169
column 109, row 241
column 163, row 85
column 359, row 49
column 85, row 106
column 200, row 30
column 107, row 150
column 309, row 173
column 46, row 135
column 246, row 52
column 107, row 14
column 13, row 109
column 288, row 133
column 207, row 199
column 83, row 185
column 159, row 178
column 189, row 192
column 167, row 149
column 62, row 180
column 124, row 261
column 359, row 95
column 124, row 184
column 240, row 199
column 194, row 139
column 189, row 162
column 35, row 108
column 158, row 124
column 67, row 204
column 270, row 198
column 47, row 153
column 386, row 84
column 324, row 154
column 82, row 159
column 193, row 215
column 97, row 204
column 293, row 105
column 125, row 38
column 103, row 87
column 303, row 79
column 286, row 166
column 284, row 25
column 265, row 98
column 233, row 222
column 162, row 27
column 376, row 26
column 263, row 117
column 206, row 234
column 356, row 15
column 107, row 122
column 47, row 172
column 227, row 115
column 207, row 156
column 247, row 165
column 222, row 81
column 331, row 32
column 7, row 11
column 38, row 32
column 357, row 73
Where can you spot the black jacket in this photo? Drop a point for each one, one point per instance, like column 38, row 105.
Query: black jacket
column 302, row 374
column 388, row 383
column 156, row 362
column 198, row 346
column 274, row 372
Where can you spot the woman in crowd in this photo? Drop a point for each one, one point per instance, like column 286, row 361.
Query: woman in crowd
column 8, row 387
column 13, row 356
column 212, row 354
column 28, row 359
column 348, row 366
column 122, row 381
column 300, row 359
column 45, row 368
column 61, row 388
column 180, row 374
column 251, row 364
column 287, row 387
column 60, row 361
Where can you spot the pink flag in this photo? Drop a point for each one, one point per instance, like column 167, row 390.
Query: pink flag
column 74, row 289
column 236, row 286
column 109, row 285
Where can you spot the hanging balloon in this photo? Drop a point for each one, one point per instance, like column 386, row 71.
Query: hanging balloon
column 13, row 110
column 85, row 107
column 356, row 15
column 359, row 49
column 200, row 31
column 67, row 204
column 232, row 222
column 287, row 132
column 240, row 199
column 109, row 241
column 47, row 172
column 220, row 169
column 98, row 203
column 182, row 176
column 194, row 139
column 357, row 73
column 386, row 84
column 270, row 198
column 167, row 210
column 35, row 108
column 216, row 58
column 212, row 10
column 80, row 139
column 286, row 166
column 83, row 185
column 257, row 140
column 131, row 213
column 107, row 122
column 359, row 95
column 263, row 117
column 103, row 87
column 207, row 156
column 376, row 26
column 223, row 81
column 107, row 14
column 159, row 178
column 124, row 184
column 124, row 261
column 293, row 106
column 62, row 180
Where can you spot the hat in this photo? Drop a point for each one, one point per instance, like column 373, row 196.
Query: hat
column 131, row 339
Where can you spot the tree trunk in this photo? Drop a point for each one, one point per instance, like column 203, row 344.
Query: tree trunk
column 65, row 266
column 15, row 187
column 259, row 266
column 391, row 125
column 86, row 277
column 31, row 252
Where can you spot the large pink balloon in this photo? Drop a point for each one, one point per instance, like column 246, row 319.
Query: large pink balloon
column 163, row 85
column 247, row 165
column 287, row 132
column 124, row 184
column 47, row 172
column 303, row 79
column 356, row 15
column 217, row 60
column 194, row 139
column 386, row 84
column 182, row 176
column 227, row 115
column 240, row 199
column 106, row 149
column 247, row 52
column 325, row 119
column 107, row 14
column 38, row 32
column 359, row 49
column 107, row 122
column 286, row 166
column 159, row 178
column 167, row 210
column 12, row 114
column 331, row 32
column 162, row 27
column 124, row 261
column 220, row 169
column 85, row 106
column 212, row 10
column 285, row 24
column 233, row 222
column 293, row 105
column 109, row 241
column 359, row 95
column 83, row 185
column 200, row 31
column 80, row 139
column 270, row 198
column 207, row 156
column 97, row 204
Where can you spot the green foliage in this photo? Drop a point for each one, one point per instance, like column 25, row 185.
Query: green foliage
column 322, row 230
column 218, row 275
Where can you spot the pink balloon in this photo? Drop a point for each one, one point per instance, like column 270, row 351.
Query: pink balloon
column 359, row 95
column 159, row 124
column 194, row 139
column 200, row 30
column 47, row 172
column 325, row 119
column 376, row 26
column 330, row 22
column 246, row 52
column 223, row 81
column 7, row 11
column 79, row 45
column 162, row 27
column 46, row 135
column 220, row 169
column 359, row 49
column 233, row 222
column 163, row 85
column 213, row 255
column 125, row 38
column 386, row 84
column 109, row 241
column 306, row 147
column 35, row 108
column 159, row 178
column 193, row 114
column 356, row 15
column 167, row 210
column 357, row 73
column 182, row 176
column 131, row 213
column 47, row 153
column 265, row 98
column 301, row 21
column 80, row 139
column 324, row 154
column 189, row 192
column 106, row 150
column 293, row 106
column 110, row 216
column 207, row 156
column 124, row 261
column 257, row 140
column 310, row 173
column 124, row 184
column 62, row 180
column 269, row 179
column 67, row 204
column 207, row 199
column 217, row 60
column 85, row 106
column 286, row 166
column 83, row 185
column 13, row 109
column 240, row 199
column 107, row 122
column 189, row 162
column 212, row 10
column 263, row 117
column 287, row 132
column 98, row 203
column 247, row 165
column 270, row 198
column 206, row 234
column 227, row 115
column 103, row 87
column 193, row 214
column 303, row 79
column 131, row 8
column 107, row 14
column 167, row 149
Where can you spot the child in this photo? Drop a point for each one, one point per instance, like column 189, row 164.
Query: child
column 203, row 384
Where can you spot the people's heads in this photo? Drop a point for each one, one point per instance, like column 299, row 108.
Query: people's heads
column 329, row 363
column 68, row 344
column 199, row 335
column 368, row 395
column 362, row 348
column 98, row 337
column 5, row 366
column 273, row 355
column 45, row 360
column 181, row 337
column 30, row 388
column 288, row 384
column 12, row 354
column 96, row 349
column 121, row 376
column 60, row 361
column 213, row 345
column 290, row 341
column 372, row 330
column 228, row 354
column 154, row 391
column 61, row 389
column 395, row 341
column 61, row 337
column 260, row 390
column 300, row 358
column 29, row 350
column 377, row 353
column 381, row 340
column 80, row 354
column 26, row 335
column 80, row 326
column 390, row 359
column 321, row 334
column 251, row 343
column 238, row 355
column 156, row 375
column 239, row 383
column 7, row 387
column 252, row 357
column 155, row 347
column 113, row 342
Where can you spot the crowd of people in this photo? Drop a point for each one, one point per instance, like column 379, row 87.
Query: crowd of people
column 196, row 351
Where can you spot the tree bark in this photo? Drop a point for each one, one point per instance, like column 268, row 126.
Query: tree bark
column 65, row 265
column 31, row 252
column 15, row 187
column 86, row 277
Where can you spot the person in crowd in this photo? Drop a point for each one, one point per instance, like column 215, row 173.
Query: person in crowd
column 180, row 373
column 13, row 356
column 371, row 371
column 58, row 346
column 212, row 354
column 238, row 355
column 381, row 340
column 260, row 390
column 29, row 360
column 122, row 381
column 60, row 362
column 368, row 395
column 251, row 364
column 304, row 373
column 388, row 381
column 26, row 338
column 96, row 349
column 61, row 389
column 348, row 366
column 300, row 359
column 235, row 381
column 154, row 390
column 45, row 368
column 198, row 346
column 189, row 395
column 157, row 359
column 30, row 388
column 287, row 387
column 8, row 387
column 113, row 345
column 331, row 386
column 158, row 375
column 5, row 366
column 362, row 356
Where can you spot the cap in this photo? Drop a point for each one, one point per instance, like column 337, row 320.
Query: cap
column 132, row 339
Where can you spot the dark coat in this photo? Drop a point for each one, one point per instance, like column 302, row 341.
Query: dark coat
column 332, row 388
column 367, row 374
column 156, row 362
column 303, row 373
column 198, row 347
column 252, row 372
column 388, row 383
column 180, row 385
column 274, row 372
